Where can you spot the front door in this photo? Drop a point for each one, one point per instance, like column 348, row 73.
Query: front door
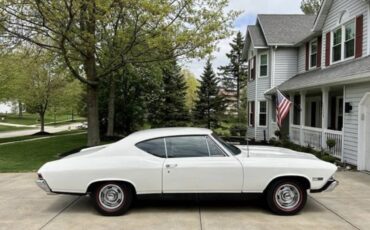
column 196, row 164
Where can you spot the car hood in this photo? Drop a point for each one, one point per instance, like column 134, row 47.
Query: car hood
column 274, row 152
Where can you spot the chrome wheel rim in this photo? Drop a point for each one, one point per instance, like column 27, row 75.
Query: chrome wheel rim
column 111, row 196
column 287, row 196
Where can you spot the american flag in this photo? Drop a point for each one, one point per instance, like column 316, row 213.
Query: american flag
column 282, row 108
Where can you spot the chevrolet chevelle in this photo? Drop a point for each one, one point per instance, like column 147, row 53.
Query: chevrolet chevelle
column 186, row 160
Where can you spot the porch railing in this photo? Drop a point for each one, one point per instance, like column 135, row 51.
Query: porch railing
column 317, row 138
column 312, row 137
column 337, row 136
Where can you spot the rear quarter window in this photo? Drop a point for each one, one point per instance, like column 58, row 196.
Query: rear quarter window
column 154, row 147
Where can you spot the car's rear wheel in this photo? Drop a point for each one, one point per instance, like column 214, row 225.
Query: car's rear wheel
column 112, row 198
column 286, row 197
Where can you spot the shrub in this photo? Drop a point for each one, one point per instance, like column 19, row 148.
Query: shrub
column 331, row 143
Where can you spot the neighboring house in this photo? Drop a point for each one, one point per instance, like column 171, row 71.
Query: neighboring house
column 323, row 65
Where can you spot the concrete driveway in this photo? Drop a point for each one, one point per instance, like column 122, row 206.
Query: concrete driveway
column 24, row 206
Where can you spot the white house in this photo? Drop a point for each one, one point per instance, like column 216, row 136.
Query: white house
column 322, row 63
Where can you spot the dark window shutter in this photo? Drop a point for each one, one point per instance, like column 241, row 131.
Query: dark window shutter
column 359, row 35
column 254, row 67
column 307, row 55
column 327, row 49
column 249, row 70
column 319, row 53
column 252, row 113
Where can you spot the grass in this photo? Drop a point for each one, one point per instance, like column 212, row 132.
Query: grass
column 30, row 156
column 33, row 119
column 5, row 128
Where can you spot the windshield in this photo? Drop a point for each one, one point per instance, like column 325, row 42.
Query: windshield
column 232, row 148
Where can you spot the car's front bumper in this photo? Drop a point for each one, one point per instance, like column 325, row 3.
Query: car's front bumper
column 44, row 186
column 330, row 185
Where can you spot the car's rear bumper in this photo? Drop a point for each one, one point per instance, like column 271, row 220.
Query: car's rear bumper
column 328, row 187
column 44, row 186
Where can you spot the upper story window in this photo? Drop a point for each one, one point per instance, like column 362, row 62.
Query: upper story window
column 251, row 113
column 343, row 45
column 263, row 65
column 252, row 70
column 313, row 53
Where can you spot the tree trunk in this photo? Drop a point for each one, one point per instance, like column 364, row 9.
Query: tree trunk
column 42, row 122
column 93, row 133
column 20, row 109
column 111, row 108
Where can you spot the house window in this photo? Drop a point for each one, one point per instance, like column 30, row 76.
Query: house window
column 344, row 42
column 251, row 113
column 349, row 43
column 337, row 45
column 263, row 65
column 313, row 54
column 262, row 113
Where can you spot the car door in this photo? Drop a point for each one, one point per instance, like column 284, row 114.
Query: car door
column 198, row 164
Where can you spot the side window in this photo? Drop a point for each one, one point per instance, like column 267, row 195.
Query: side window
column 214, row 150
column 186, row 146
column 154, row 147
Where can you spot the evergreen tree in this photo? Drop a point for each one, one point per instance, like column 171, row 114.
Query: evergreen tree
column 311, row 6
column 210, row 105
column 168, row 107
column 235, row 73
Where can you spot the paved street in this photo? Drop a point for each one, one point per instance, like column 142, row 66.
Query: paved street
column 24, row 206
column 50, row 129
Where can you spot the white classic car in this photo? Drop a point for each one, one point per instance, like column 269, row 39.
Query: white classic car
column 186, row 160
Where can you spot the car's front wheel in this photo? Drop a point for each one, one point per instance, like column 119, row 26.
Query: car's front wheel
column 112, row 198
column 286, row 197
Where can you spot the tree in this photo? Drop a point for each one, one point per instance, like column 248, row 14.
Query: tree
column 235, row 73
column 96, row 38
column 191, row 89
column 168, row 107
column 209, row 105
column 43, row 85
column 311, row 6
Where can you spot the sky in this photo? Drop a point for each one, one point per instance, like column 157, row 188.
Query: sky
column 250, row 9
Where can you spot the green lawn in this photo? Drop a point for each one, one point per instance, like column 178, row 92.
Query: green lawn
column 5, row 128
column 29, row 156
column 33, row 119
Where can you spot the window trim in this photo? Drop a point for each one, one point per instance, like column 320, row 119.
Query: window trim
column 310, row 54
column 260, row 65
column 259, row 113
column 343, row 41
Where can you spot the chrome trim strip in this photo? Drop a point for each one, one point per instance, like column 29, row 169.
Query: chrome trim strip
column 44, row 186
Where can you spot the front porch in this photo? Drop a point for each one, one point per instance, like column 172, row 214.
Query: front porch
column 316, row 117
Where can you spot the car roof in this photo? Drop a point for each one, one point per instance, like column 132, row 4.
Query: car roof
column 165, row 132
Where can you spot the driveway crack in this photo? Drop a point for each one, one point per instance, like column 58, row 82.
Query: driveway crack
column 335, row 213
column 60, row 212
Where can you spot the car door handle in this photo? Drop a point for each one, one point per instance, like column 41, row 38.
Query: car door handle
column 171, row 165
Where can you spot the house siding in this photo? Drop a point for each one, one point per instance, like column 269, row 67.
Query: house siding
column 353, row 94
column 354, row 8
column 285, row 64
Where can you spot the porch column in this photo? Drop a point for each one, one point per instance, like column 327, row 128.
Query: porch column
column 303, row 115
column 324, row 117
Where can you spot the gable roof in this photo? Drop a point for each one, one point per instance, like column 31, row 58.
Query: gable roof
column 322, row 15
column 256, row 36
column 349, row 71
column 285, row 29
